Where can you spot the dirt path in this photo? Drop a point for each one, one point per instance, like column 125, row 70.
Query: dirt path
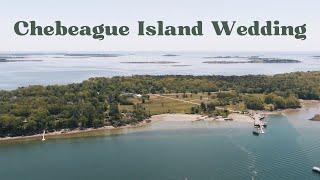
column 190, row 102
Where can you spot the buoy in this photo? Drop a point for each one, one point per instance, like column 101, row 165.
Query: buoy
column 43, row 139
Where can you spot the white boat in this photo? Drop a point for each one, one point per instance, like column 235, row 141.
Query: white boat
column 316, row 169
column 257, row 131
column 44, row 132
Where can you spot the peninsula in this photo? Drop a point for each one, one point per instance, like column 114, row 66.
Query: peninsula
column 121, row 101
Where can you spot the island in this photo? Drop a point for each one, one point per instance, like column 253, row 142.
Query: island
column 16, row 60
column 149, row 62
column 225, row 62
column 92, row 55
column 226, row 57
column 255, row 60
column 129, row 101
column 272, row 60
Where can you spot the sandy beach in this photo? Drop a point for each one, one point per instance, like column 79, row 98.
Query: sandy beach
column 304, row 105
column 114, row 130
column 236, row 117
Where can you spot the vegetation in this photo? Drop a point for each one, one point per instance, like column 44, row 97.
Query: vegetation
column 116, row 101
column 271, row 102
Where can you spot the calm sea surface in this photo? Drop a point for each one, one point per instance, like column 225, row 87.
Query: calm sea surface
column 61, row 69
column 175, row 151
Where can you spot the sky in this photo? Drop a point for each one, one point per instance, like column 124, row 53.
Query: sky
column 172, row 12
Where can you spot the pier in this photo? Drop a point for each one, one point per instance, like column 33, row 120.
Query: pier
column 258, row 123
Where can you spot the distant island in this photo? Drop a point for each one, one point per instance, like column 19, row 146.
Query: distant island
column 272, row 60
column 15, row 60
column 316, row 118
column 92, row 55
column 225, row 57
column 121, row 101
column 256, row 60
column 149, row 62
column 225, row 62
column 11, row 57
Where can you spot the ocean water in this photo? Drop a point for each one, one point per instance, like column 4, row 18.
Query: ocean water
column 176, row 151
column 57, row 68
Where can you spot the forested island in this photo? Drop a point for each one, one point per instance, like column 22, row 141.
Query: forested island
column 92, row 55
column 149, row 62
column 16, row 60
column 119, row 101
column 253, row 59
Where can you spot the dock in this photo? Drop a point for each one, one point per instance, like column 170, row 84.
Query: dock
column 258, row 123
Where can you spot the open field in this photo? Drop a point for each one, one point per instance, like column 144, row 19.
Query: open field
column 172, row 103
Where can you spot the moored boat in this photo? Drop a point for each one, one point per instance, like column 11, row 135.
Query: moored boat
column 257, row 130
column 316, row 169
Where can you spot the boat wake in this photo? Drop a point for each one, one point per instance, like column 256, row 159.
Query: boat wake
column 252, row 157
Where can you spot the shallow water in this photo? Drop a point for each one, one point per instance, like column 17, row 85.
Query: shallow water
column 176, row 151
column 60, row 69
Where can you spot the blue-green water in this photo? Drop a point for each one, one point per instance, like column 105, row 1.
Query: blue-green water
column 176, row 151
column 43, row 69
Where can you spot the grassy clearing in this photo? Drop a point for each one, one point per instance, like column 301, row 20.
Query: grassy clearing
column 171, row 103
column 237, row 107
column 160, row 105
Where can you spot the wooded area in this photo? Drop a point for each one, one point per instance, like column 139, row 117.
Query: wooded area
column 95, row 102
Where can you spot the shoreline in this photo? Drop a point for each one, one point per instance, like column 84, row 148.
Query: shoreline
column 110, row 130
column 304, row 104
column 73, row 133
column 113, row 130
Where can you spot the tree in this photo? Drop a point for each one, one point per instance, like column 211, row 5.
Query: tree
column 211, row 107
column 139, row 113
column 253, row 102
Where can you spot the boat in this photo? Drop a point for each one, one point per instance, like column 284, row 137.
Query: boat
column 261, row 131
column 256, row 133
column 43, row 139
column 257, row 130
column 316, row 169
column 264, row 124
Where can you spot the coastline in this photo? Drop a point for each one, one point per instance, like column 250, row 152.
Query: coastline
column 304, row 104
column 110, row 130
column 105, row 130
